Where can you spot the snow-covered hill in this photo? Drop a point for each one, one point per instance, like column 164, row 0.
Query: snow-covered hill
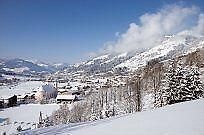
column 179, row 119
column 168, row 47
column 102, row 63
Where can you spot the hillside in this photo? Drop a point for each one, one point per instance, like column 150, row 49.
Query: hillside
column 179, row 119
column 169, row 47
column 165, row 48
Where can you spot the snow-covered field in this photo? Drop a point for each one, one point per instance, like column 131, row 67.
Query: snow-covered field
column 25, row 87
column 25, row 115
column 179, row 119
column 19, row 89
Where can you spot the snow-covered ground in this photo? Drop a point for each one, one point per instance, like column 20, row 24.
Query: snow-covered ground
column 179, row 119
column 147, row 102
column 26, row 115
column 19, row 89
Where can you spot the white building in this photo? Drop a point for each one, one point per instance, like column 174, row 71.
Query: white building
column 46, row 91
column 66, row 98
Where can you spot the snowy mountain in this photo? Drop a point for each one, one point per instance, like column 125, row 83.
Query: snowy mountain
column 103, row 63
column 20, row 66
column 169, row 120
column 168, row 47
column 60, row 66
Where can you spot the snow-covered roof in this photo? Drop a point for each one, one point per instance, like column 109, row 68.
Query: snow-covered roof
column 62, row 90
column 6, row 96
column 68, row 97
column 24, row 95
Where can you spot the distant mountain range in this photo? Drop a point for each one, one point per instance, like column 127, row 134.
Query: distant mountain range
column 20, row 66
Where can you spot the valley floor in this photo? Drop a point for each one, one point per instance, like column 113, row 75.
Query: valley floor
column 179, row 119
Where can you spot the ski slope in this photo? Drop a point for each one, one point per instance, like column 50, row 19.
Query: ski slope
column 179, row 119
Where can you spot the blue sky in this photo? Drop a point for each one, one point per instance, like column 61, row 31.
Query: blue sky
column 68, row 30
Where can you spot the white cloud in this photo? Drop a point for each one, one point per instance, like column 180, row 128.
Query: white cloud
column 171, row 19
column 199, row 28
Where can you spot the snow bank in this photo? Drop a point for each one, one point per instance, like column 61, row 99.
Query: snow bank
column 28, row 113
column 179, row 119
column 24, row 115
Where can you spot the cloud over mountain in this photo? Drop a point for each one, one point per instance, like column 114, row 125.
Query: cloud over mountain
column 171, row 19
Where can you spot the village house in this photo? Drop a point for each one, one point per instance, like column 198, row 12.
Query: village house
column 26, row 98
column 9, row 101
column 63, row 91
column 66, row 98
column 1, row 103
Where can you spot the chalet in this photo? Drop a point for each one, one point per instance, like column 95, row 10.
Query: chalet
column 8, row 101
column 63, row 92
column 21, row 99
column 77, row 92
column 1, row 104
column 66, row 98
column 26, row 98
column 62, row 80
column 12, row 101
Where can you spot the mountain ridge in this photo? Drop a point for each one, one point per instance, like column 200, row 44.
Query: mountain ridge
column 167, row 48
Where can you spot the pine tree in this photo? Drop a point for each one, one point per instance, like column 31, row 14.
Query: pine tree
column 198, row 86
column 168, row 87
column 181, row 84
column 158, row 95
column 191, row 85
column 169, row 93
